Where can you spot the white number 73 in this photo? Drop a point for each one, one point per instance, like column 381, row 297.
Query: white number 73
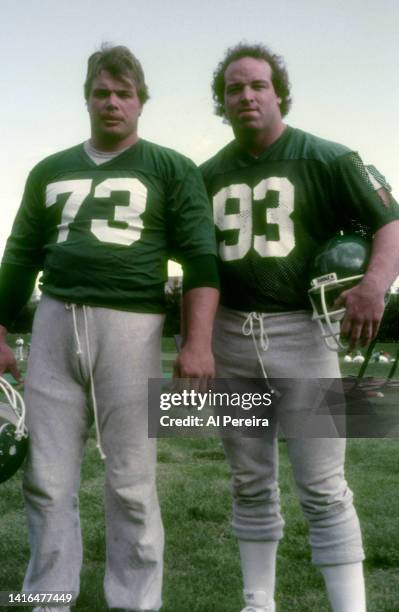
column 80, row 189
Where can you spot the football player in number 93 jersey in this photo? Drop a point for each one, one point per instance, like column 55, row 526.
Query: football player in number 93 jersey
column 278, row 194
column 101, row 220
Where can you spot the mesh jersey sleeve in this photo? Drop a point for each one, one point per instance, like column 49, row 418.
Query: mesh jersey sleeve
column 360, row 204
column 377, row 179
column 25, row 245
column 190, row 225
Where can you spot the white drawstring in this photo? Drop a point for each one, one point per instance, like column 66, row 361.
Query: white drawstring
column 75, row 329
column 248, row 330
column 90, row 363
column 93, row 395
column 18, row 405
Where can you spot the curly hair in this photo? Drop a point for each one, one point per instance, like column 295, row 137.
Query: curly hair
column 119, row 61
column 280, row 79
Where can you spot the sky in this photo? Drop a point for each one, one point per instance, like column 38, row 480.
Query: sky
column 342, row 58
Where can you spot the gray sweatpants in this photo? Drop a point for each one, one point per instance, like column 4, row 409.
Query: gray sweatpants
column 296, row 350
column 125, row 349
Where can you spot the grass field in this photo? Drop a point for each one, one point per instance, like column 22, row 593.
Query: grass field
column 201, row 557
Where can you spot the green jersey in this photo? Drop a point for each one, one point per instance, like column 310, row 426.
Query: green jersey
column 103, row 233
column 272, row 212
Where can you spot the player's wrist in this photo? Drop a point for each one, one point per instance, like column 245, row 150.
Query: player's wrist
column 198, row 342
column 374, row 283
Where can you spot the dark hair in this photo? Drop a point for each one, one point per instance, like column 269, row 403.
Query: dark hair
column 279, row 74
column 119, row 62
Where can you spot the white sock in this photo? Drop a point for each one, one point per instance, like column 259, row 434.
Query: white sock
column 258, row 565
column 345, row 587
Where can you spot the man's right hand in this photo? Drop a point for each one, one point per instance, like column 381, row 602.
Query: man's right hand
column 7, row 358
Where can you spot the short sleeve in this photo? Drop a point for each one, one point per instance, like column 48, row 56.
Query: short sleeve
column 190, row 224
column 357, row 196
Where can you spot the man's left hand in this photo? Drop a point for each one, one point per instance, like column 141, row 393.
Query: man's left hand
column 364, row 305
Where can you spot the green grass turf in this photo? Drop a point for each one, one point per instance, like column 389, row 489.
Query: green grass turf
column 201, row 558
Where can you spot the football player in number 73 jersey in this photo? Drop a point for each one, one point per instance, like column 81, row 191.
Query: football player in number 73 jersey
column 101, row 220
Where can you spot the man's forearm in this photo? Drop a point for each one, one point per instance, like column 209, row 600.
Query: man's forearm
column 384, row 263
column 364, row 304
column 199, row 308
column 195, row 359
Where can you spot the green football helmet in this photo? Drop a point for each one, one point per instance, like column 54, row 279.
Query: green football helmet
column 338, row 265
